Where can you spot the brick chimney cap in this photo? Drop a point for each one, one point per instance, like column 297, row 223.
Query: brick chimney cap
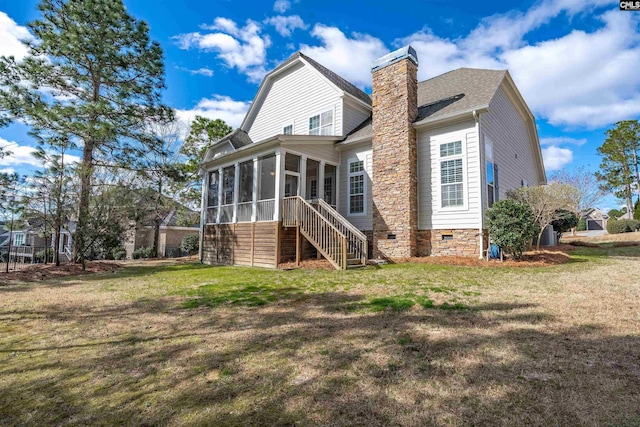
column 406, row 52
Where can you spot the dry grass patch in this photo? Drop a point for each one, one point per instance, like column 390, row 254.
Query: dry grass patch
column 558, row 345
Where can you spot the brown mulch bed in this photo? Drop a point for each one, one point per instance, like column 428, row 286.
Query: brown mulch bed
column 545, row 257
column 39, row 272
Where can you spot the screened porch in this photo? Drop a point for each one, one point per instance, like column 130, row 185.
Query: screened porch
column 251, row 190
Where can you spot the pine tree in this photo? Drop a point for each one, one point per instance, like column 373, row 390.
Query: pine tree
column 94, row 75
column 620, row 169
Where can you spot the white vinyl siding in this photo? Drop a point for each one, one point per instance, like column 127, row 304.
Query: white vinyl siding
column 364, row 153
column 354, row 115
column 294, row 96
column 513, row 153
column 431, row 213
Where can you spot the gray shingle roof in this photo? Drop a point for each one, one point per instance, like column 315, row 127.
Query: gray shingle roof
column 478, row 87
column 464, row 89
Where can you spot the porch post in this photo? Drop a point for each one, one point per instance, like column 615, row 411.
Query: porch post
column 254, row 199
column 220, row 185
column 204, row 210
column 236, row 189
column 321, row 180
column 278, row 189
column 302, row 191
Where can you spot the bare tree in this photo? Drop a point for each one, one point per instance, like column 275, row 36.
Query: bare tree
column 588, row 192
column 549, row 203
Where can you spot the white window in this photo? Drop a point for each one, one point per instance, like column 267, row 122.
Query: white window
column 490, row 170
column 356, row 187
column 321, row 124
column 451, row 174
column 18, row 239
column 287, row 130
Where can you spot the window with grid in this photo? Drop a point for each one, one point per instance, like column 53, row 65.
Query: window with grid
column 287, row 130
column 356, row 187
column 321, row 124
column 451, row 174
column 19, row 239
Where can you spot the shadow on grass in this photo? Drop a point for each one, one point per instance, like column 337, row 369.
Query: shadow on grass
column 292, row 364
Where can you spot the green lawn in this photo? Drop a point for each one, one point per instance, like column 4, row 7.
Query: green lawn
column 418, row 344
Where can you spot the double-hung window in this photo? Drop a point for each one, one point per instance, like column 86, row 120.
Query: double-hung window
column 451, row 174
column 356, row 187
column 490, row 171
column 287, row 130
column 19, row 239
column 321, row 124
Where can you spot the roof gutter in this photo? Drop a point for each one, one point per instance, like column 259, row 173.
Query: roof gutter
column 431, row 120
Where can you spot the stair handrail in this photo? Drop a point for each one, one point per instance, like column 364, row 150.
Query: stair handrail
column 361, row 246
column 327, row 238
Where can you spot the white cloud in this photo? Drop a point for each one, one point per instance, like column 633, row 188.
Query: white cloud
column 218, row 107
column 581, row 79
column 349, row 57
column 281, row 6
column 11, row 35
column 241, row 48
column 285, row 25
column 22, row 155
column 556, row 158
column 200, row 71
column 563, row 140
column 8, row 171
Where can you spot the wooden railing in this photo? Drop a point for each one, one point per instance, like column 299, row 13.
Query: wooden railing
column 356, row 239
column 325, row 232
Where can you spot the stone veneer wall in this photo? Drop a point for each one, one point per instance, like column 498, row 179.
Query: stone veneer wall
column 394, row 180
column 465, row 242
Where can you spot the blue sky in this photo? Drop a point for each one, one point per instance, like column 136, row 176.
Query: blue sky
column 576, row 63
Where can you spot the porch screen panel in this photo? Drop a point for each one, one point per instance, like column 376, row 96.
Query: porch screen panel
column 245, row 198
column 266, row 188
column 312, row 190
column 228, row 181
column 330, row 184
column 212, row 196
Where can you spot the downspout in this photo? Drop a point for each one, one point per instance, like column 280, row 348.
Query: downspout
column 476, row 117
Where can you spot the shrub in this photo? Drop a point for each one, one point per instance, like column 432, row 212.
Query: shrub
column 511, row 226
column 190, row 244
column 118, row 253
column 582, row 224
column 566, row 221
column 142, row 253
column 622, row 226
column 636, row 210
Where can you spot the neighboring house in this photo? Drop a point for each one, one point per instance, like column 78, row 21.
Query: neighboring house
column 25, row 243
column 319, row 166
column 626, row 215
column 596, row 219
column 170, row 238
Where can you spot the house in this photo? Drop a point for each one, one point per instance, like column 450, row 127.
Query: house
column 320, row 167
column 23, row 244
column 595, row 219
column 170, row 235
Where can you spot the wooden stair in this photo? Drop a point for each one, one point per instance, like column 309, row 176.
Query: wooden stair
column 343, row 245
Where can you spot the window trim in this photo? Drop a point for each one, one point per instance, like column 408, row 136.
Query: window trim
column 23, row 238
column 333, row 121
column 287, row 124
column 364, row 185
column 465, row 187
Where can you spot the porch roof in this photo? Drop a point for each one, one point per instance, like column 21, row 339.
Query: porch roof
column 270, row 143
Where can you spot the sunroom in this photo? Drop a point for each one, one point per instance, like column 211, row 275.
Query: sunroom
column 247, row 186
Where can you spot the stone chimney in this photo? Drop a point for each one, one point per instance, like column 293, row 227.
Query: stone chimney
column 394, row 188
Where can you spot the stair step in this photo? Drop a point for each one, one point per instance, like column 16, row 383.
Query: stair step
column 354, row 266
column 353, row 261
